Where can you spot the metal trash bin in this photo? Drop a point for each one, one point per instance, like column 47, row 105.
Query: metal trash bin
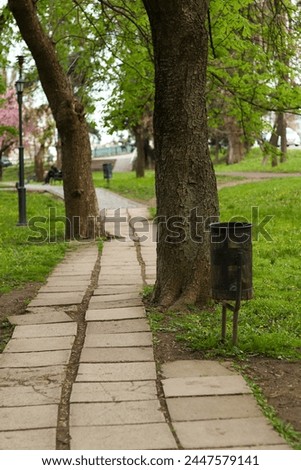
column 231, row 250
column 107, row 171
column 231, row 268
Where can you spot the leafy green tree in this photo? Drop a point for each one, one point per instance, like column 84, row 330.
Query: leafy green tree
column 67, row 108
column 130, row 72
column 251, row 68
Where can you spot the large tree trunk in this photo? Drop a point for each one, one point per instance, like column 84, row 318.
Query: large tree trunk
column 185, row 180
column 80, row 198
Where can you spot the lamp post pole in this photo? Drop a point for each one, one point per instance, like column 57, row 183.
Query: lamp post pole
column 20, row 184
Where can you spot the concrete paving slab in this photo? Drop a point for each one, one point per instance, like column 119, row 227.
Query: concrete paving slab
column 217, row 407
column 267, row 447
column 87, row 262
column 118, row 326
column 132, row 269
column 32, row 376
column 116, row 372
column 108, row 314
column 44, row 331
column 217, row 434
column 120, row 251
column 139, row 212
column 120, row 273
column 141, row 436
column 59, row 298
column 106, row 414
column 202, row 386
column 70, row 272
column 34, row 359
column 36, row 394
column 36, row 439
column 83, row 258
column 194, row 368
column 69, row 309
column 116, row 303
column 50, row 289
column 142, row 354
column 114, row 297
column 39, row 318
column 39, row 344
column 58, row 281
column 126, row 261
column 28, row 417
column 124, row 340
column 106, row 280
column 109, row 290
column 113, row 391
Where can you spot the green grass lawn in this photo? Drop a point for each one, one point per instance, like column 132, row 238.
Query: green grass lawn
column 11, row 172
column 127, row 185
column 270, row 324
column 253, row 162
column 139, row 189
column 24, row 261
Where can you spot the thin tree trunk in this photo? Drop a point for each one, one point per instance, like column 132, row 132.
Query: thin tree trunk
column 237, row 149
column 185, row 181
column 140, row 162
column 80, row 198
column 39, row 163
column 282, row 133
column 277, row 133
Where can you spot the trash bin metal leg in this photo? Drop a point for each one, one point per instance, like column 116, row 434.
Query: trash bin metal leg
column 238, row 299
column 224, row 322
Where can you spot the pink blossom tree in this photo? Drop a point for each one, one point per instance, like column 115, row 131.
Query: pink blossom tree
column 8, row 123
column 38, row 128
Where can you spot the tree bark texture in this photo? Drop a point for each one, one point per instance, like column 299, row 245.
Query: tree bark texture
column 80, row 198
column 185, row 180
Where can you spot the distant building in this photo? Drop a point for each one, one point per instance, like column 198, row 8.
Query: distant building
column 98, row 151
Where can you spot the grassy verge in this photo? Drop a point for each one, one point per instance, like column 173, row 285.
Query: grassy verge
column 11, row 173
column 139, row 189
column 269, row 324
column 253, row 162
column 126, row 184
column 24, row 261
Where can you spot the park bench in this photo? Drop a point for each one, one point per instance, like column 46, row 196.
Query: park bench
column 56, row 177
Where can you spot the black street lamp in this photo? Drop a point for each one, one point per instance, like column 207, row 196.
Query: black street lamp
column 20, row 185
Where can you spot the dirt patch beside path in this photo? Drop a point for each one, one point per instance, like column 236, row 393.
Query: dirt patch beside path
column 15, row 302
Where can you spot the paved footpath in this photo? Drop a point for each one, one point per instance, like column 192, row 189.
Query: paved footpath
column 79, row 371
